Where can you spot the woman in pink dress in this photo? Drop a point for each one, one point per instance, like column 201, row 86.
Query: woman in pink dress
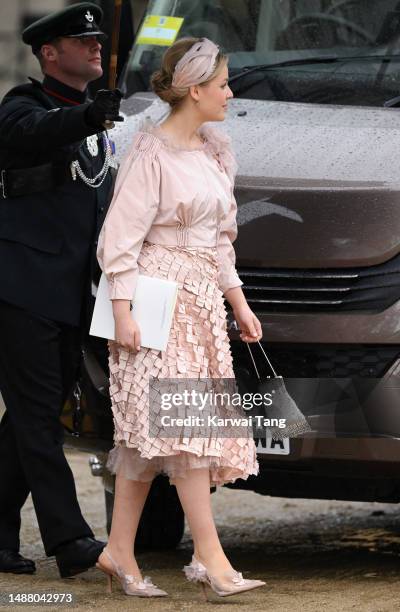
column 173, row 216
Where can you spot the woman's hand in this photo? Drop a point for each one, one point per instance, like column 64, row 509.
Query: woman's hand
column 249, row 325
column 127, row 333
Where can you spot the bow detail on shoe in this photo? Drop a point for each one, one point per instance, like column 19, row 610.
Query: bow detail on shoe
column 140, row 584
column 194, row 572
column 131, row 585
column 197, row 572
column 238, row 578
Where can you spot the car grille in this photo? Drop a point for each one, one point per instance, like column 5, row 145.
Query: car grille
column 371, row 289
column 300, row 361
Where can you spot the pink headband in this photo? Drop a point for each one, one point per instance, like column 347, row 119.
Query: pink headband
column 196, row 65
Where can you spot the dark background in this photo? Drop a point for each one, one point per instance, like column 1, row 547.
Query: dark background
column 16, row 59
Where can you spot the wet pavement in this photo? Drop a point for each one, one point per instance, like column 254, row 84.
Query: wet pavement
column 314, row 555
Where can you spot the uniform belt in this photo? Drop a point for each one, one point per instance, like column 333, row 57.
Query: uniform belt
column 24, row 181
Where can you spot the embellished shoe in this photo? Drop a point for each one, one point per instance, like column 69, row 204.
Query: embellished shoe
column 130, row 584
column 197, row 572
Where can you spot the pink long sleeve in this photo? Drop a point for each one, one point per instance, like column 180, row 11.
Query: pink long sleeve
column 227, row 277
column 130, row 216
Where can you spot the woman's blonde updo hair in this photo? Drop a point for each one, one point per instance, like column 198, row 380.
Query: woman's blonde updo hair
column 161, row 80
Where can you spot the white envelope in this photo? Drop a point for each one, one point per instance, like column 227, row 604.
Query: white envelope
column 153, row 309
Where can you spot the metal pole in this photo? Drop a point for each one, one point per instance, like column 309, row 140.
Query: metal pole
column 112, row 77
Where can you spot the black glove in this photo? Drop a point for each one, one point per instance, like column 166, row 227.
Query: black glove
column 105, row 107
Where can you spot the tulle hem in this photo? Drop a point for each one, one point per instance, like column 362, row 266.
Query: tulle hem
column 130, row 463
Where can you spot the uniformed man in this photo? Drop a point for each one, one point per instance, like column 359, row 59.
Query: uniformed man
column 55, row 187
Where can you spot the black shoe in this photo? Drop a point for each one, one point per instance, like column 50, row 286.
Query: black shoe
column 12, row 562
column 78, row 556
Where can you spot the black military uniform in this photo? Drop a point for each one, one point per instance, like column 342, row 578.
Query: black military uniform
column 49, row 222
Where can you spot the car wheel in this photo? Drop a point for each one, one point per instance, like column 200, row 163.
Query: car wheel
column 162, row 522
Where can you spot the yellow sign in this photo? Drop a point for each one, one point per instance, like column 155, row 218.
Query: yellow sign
column 159, row 30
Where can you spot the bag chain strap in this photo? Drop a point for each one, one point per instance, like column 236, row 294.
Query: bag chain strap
column 235, row 325
column 265, row 355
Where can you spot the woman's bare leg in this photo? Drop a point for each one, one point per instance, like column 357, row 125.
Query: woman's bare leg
column 195, row 497
column 130, row 497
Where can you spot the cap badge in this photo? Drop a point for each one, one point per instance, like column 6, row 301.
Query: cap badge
column 89, row 17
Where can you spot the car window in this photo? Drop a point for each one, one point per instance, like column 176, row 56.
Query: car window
column 364, row 34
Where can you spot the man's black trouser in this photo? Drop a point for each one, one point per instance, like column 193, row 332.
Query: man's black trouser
column 38, row 364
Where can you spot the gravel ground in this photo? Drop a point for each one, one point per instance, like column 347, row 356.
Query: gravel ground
column 314, row 556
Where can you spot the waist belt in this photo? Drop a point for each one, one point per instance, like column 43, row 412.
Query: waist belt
column 33, row 180
column 183, row 235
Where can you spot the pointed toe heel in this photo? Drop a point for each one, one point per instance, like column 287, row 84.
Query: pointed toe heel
column 109, row 583
column 197, row 572
column 108, row 575
column 130, row 584
column 203, row 590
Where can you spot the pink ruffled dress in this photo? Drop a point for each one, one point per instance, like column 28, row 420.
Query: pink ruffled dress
column 173, row 216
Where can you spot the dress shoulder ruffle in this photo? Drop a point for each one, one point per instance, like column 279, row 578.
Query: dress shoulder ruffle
column 215, row 142
column 220, row 145
column 146, row 142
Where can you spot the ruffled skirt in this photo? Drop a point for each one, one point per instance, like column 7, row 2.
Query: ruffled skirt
column 198, row 347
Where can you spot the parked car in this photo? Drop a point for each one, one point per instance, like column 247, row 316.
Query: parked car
column 316, row 133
